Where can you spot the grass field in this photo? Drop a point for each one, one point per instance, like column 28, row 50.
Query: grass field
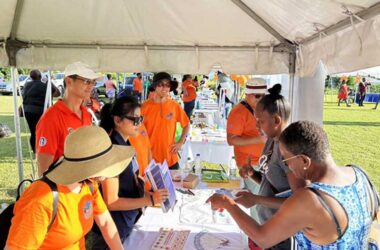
column 354, row 135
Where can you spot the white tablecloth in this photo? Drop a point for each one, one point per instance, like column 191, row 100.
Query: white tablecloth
column 190, row 213
column 212, row 147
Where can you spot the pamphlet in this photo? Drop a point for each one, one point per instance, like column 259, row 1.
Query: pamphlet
column 159, row 177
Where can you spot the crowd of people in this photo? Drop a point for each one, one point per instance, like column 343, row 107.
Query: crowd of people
column 99, row 171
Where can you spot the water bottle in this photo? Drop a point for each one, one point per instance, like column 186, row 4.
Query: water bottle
column 188, row 166
column 232, row 168
column 198, row 167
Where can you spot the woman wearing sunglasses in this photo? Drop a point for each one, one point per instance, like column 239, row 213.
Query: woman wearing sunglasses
column 124, row 195
column 272, row 115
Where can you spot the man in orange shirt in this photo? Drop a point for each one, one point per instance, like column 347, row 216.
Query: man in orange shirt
column 242, row 132
column 65, row 115
column 189, row 94
column 160, row 117
column 137, row 86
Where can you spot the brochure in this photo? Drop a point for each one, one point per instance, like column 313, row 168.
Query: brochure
column 159, row 177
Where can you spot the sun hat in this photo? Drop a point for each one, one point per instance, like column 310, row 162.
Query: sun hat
column 81, row 69
column 89, row 152
column 256, row 86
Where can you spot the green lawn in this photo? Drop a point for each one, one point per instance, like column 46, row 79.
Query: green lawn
column 354, row 135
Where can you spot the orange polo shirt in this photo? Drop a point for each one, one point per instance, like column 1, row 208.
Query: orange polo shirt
column 53, row 127
column 191, row 91
column 137, row 85
column 160, row 121
column 241, row 122
column 74, row 219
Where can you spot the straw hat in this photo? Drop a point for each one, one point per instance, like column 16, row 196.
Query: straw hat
column 89, row 153
column 81, row 69
column 256, row 86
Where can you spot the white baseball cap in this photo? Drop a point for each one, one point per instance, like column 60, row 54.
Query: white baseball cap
column 81, row 69
column 256, row 86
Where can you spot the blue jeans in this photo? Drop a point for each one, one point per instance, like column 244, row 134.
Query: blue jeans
column 189, row 107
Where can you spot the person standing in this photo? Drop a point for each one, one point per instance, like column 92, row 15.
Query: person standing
column 363, row 86
column 242, row 132
column 138, row 86
column 66, row 115
column 33, row 96
column 273, row 175
column 189, row 94
column 343, row 93
column 110, row 88
column 160, row 117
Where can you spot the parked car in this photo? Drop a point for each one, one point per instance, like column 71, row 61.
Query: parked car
column 57, row 80
column 6, row 88
column 100, row 86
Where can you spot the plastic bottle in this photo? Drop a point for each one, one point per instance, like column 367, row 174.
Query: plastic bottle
column 232, row 168
column 198, row 167
column 188, row 166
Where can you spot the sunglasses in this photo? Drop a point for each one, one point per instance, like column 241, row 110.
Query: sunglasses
column 85, row 81
column 136, row 120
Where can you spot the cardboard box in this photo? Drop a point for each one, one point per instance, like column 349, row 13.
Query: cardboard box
column 191, row 181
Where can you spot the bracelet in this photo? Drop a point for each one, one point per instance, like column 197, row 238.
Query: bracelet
column 152, row 200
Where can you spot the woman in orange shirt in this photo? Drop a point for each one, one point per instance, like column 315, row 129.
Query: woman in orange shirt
column 189, row 94
column 79, row 199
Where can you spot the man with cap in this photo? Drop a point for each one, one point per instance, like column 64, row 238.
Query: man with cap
column 242, row 132
column 160, row 117
column 66, row 115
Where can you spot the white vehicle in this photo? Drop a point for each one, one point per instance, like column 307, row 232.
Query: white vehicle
column 57, row 80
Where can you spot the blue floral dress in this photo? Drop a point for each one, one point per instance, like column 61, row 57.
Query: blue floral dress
column 354, row 200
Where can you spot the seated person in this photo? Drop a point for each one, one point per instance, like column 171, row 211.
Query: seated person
column 330, row 213
column 79, row 199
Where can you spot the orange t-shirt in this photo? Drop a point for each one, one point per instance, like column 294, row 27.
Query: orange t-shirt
column 142, row 146
column 74, row 218
column 242, row 123
column 53, row 127
column 137, row 85
column 191, row 91
column 160, row 121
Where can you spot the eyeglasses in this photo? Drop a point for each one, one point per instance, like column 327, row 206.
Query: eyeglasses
column 137, row 120
column 288, row 159
column 85, row 81
column 258, row 96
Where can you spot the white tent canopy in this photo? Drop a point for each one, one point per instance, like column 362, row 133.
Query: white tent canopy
column 240, row 36
column 243, row 36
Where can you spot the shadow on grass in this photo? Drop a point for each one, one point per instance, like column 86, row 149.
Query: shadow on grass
column 354, row 123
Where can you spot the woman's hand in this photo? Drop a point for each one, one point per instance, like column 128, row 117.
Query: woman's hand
column 246, row 171
column 159, row 196
column 220, row 201
column 245, row 198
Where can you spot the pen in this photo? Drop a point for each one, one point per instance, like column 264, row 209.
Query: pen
column 190, row 192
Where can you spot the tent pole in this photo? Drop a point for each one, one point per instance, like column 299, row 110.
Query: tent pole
column 17, row 124
column 292, row 71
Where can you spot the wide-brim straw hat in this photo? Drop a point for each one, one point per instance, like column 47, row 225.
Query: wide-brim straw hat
column 256, row 86
column 89, row 153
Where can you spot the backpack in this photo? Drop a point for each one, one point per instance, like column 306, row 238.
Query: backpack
column 7, row 215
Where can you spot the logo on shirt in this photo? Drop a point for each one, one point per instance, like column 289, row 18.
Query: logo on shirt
column 169, row 116
column 87, row 210
column 42, row 142
column 143, row 133
column 70, row 130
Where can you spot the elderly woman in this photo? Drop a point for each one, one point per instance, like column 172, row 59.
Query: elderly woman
column 88, row 154
column 330, row 213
